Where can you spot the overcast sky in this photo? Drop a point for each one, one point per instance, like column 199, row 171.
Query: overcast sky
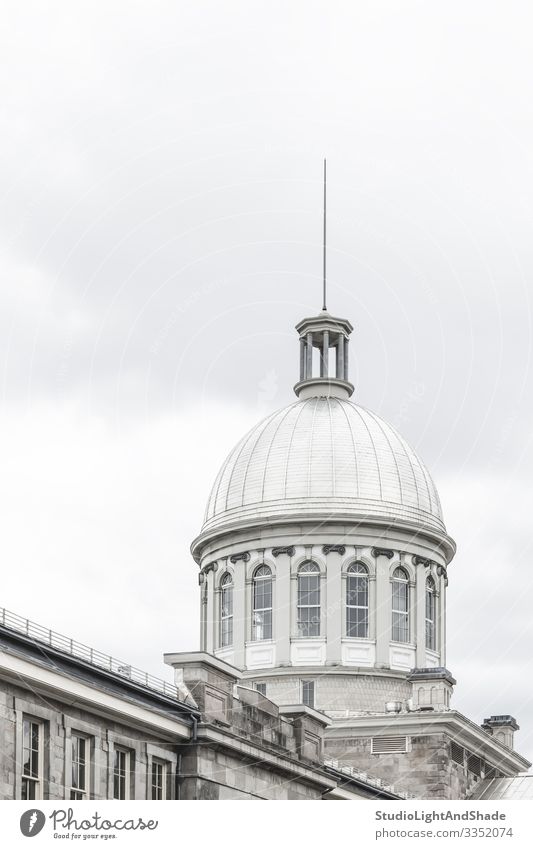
column 160, row 178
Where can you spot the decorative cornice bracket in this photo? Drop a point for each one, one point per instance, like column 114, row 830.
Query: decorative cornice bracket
column 385, row 552
column 283, row 549
column 421, row 561
column 243, row 555
column 339, row 549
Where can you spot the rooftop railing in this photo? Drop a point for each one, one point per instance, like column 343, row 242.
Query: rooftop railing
column 47, row 637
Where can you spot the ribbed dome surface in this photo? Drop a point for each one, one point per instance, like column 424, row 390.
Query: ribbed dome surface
column 322, row 457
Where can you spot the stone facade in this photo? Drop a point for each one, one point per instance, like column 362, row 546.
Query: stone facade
column 205, row 738
column 338, row 694
column 435, row 755
column 59, row 722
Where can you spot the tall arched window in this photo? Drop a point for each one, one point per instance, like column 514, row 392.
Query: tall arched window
column 357, row 601
column 226, row 610
column 262, row 604
column 431, row 642
column 309, row 600
column 400, row 606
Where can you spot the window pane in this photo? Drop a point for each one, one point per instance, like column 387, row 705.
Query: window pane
column 35, row 757
column 309, row 622
column 226, row 612
column 121, row 774
column 29, row 789
column 262, row 605
column 308, row 693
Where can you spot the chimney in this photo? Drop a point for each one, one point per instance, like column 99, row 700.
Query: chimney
column 502, row 728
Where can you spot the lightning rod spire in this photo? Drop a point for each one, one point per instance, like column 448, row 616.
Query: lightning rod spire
column 324, row 307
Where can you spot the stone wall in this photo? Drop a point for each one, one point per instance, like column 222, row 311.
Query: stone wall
column 212, row 774
column 60, row 721
column 427, row 770
column 337, row 694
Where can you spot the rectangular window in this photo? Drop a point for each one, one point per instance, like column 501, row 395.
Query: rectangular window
column 431, row 642
column 159, row 780
column 308, row 693
column 357, row 602
column 400, row 611
column 262, row 625
column 32, row 759
column 309, row 601
column 80, row 753
column 261, row 688
column 122, row 774
column 262, row 604
column 226, row 612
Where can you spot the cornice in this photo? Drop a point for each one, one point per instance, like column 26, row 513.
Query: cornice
column 347, row 523
column 463, row 731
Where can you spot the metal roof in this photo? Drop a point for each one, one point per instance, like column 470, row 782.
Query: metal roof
column 517, row 787
column 323, row 456
column 86, row 656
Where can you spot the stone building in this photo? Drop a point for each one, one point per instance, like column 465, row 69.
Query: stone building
column 76, row 724
column 323, row 571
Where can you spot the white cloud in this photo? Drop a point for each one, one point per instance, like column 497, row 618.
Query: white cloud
column 97, row 523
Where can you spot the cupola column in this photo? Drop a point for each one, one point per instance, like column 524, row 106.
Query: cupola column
column 441, row 606
column 346, row 341
column 210, row 612
column 420, row 616
column 383, row 611
column 334, row 607
column 340, row 357
column 325, row 355
column 302, row 359
column 309, row 367
column 239, row 614
column 283, row 610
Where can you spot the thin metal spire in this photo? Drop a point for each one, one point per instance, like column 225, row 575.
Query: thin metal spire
column 324, row 307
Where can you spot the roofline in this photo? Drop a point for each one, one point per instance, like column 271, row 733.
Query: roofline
column 468, row 733
column 127, row 683
column 350, row 778
column 324, row 320
column 51, row 681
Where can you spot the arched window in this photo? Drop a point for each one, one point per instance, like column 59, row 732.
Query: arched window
column 400, row 606
column 431, row 642
column 226, row 610
column 309, row 600
column 262, row 604
column 357, row 601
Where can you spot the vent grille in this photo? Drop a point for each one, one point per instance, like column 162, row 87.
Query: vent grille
column 458, row 753
column 388, row 745
column 492, row 772
column 474, row 765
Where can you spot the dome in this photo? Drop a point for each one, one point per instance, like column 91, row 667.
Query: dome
column 322, row 457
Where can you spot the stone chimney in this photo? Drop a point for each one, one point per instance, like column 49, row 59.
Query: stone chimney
column 431, row 688
column 502, row 728
column 210, row 681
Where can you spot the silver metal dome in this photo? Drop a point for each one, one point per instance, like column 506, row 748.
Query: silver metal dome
column 322, row 457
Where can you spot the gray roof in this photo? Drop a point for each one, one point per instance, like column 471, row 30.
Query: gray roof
column 47, row 648
column 322, row 456
column 517, row 787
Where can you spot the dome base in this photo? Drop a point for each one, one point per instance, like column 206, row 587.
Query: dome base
column 324, row 387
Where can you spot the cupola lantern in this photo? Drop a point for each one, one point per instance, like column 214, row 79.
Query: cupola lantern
column 320, row 373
